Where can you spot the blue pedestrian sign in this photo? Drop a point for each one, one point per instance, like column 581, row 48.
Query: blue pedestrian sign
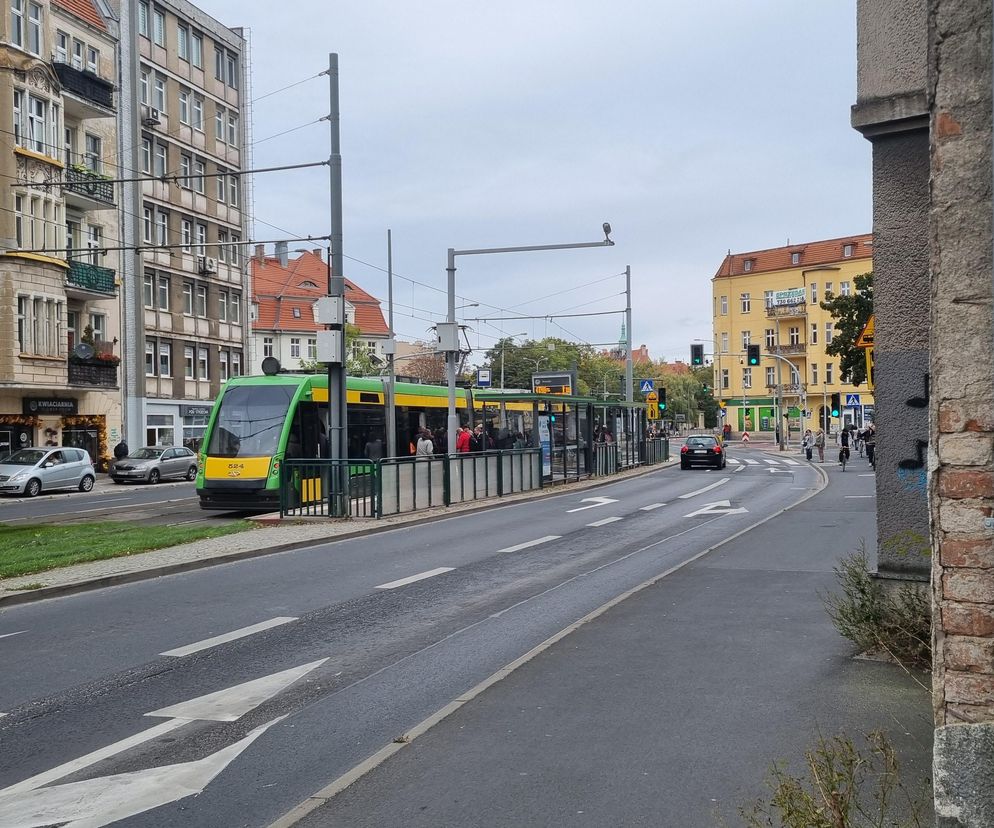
column 647, row 386
column 852, row 400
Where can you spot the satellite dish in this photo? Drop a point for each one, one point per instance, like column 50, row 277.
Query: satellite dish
column 271, row 366
column 83, row 351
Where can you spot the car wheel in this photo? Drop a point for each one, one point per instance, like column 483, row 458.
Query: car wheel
column 191, row 473
column 33, row 489
column 153, row 476
column 86, row 484
column 684, row 466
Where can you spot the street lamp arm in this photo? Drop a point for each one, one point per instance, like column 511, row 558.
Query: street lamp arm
column 531, row 248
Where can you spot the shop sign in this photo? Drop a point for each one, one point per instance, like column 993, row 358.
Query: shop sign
column 37, row 406
column 794, row 296
column 195, row 410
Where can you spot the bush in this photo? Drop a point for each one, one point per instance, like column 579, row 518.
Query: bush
column 845, row 787
column 875, row 619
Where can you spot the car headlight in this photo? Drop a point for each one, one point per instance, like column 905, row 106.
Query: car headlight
column 19, row 474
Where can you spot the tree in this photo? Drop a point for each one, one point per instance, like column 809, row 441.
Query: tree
column 427, row 367
column 851, row 314
column 358, row 362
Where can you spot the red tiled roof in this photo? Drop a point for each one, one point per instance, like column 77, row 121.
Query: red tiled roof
column 84, row 10
column 278, row 291
column 812, row 254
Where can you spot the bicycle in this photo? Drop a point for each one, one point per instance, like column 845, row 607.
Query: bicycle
column 844, row 456
column 858, row 445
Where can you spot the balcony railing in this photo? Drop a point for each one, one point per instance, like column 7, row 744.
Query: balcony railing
column 90, row 277
column 93, row 372
column 793, row 348
column 787, row 387
column 784, row 311
column 85, row 84
column 89, row 184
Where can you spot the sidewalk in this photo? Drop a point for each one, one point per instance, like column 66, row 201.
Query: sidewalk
column 667, row 709
column 274, row 536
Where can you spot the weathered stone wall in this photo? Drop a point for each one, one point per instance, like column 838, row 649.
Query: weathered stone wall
column 961, row 483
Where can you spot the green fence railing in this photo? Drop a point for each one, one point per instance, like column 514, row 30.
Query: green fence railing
column 328, row 488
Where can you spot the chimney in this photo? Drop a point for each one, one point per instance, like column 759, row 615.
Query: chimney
column 317, row 252
column 260, row 253
column 282, row 253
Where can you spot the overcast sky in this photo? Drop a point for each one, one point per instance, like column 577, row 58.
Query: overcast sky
column 693, row 127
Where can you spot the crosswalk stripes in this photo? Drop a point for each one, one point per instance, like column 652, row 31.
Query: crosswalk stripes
column 789, row 462
column 769, row 461
column 751, row 462
column 734, row 462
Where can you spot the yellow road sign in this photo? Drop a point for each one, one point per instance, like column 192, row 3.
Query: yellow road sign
column 865, row 338
column 652, row 410
column 869, row 366
column 652, row 397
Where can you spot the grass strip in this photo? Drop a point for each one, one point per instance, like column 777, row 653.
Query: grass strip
column 28, row 549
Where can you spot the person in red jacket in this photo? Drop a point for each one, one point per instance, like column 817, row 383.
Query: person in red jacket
column 462, row 439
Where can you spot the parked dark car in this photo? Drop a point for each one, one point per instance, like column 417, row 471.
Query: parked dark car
column 702, row 450
column 154, row 463
column 31, row 471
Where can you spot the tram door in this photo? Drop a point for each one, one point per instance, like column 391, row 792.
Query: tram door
column 308, row 432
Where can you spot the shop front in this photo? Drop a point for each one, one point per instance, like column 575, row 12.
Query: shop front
column 176, row 424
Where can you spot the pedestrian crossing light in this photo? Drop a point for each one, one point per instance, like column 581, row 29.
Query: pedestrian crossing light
column 752, row 354
column 836, row 405
column 696, row 354
column 662, row 399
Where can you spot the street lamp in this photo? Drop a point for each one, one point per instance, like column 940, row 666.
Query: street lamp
column 448, row 332
column 503, row 344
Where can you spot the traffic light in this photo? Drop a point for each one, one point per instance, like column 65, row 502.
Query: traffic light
column 696, row 354
column 752, row 354
column 836, row 405
column 662, row 399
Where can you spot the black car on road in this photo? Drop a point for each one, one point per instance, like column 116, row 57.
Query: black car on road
column 702, row 450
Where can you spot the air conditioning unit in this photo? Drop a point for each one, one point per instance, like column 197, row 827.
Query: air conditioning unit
column 151, row 117
column 208, row 264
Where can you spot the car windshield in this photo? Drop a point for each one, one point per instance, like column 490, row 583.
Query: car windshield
column 146, row 453
column 25, row 457
column 701, row 441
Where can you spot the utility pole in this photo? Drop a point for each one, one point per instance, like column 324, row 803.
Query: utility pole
column 781, row 424
column 390, row 395
column 629, row 388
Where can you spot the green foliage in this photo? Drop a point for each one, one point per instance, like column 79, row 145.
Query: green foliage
column 896, row 622
column 851, row 314
column 845, row 787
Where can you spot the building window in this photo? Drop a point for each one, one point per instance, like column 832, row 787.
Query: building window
column 203, row 364
column 231, row 65
column 165, row 359
column 747, row 377
column 232, row 129
column 847, row 250
column 188, row 299
column 724, row 342
column 294, row 348
column 143, row 18
column 829, row 333
column 201, row 300
column 814, row 293
column 267, row 346
column 795, row 258
column 235, row 254
column 92, row 60
column 186, row 235
column 771, row 339
column 158, row 27
column 771, row 376
column 219, row 63
column 184, row 170
column 29, row 39
column 312, row 349
column 814, row 334
column 183, row 42
column 61, row 47
column 222, row 245
column 148, row 290
column 222, row 363
column 150, row 359
column 296, row 313
column 199, row 168
column 188, row 362
column 747, row 265
column 828, row 290
column 844, row 288
column 159, row 93
column 222, row 306
column 814, row 373
column 746, row 339
column 184, row 106
column 201, row 238
column 161, row 228
column 147, row 224
column 221, row 187
column 768, row 298
column 219, row 117
column 233, row 190
column 236, row 363
column 745, row 302
column 724, row 379
column 163, row 293
column 829, row 372
column 795, row 336
column 724, row 305
column 93, row 156
column 198, row 112
column 235, row 308
column 197, row 50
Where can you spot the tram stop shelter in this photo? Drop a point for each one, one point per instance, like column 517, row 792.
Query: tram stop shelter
column 579, row 436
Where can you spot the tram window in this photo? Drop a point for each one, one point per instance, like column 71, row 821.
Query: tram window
column 250, row 421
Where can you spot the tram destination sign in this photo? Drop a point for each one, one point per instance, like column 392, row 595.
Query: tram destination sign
column 561, row 383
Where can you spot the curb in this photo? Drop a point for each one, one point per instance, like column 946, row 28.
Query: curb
column 29, row 596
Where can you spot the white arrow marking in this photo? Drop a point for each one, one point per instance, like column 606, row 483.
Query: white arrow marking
column 231, row 704
column 93, row 803
column 8, row 635
column 714, row 485
column 213, row 704
column 594, row 503
column 719, row 507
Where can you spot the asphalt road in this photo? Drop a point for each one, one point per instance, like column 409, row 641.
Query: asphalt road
column 361, row 640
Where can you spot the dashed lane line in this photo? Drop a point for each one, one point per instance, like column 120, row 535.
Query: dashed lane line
column 9, row 635
column 527, row 544
column 651, row 506
column 234, row 635
column 604, row 521
column 431, row 573
column 714, row 485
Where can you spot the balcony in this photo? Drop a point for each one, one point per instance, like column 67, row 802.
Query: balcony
column 85, row 94
column 95, row 372
column 89, row 281
column 787, row 311
column 87, row 190
column 787, row 388
column 792, row 349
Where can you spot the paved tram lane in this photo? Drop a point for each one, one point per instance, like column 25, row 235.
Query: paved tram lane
column 407, row 620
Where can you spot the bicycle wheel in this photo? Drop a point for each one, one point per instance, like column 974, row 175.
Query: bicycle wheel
column 842, row 459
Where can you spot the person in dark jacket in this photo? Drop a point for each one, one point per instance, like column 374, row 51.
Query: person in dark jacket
column 121, row 450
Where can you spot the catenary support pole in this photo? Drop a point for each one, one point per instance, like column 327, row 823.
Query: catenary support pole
column 390, row 397
column 452, row 424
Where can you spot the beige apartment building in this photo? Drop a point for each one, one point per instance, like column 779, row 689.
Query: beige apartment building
column 59, row 286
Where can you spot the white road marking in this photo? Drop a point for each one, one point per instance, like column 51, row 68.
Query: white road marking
column 854, row 497
column 8, row 635
column 106, row 799
column 740, row 468
column 207, row 643
column 652, row 506
column 869, row 474
column 604, row 522
column 771, row 462
column 751, row 462
column 789, row 462
column 779, row 471
column 733, row 461
column 518, row 547
column 719, row 507
column 705, row 489
column 594, row 503
column 431, row 573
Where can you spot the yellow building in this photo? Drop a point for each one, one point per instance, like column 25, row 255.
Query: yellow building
column 771, row 298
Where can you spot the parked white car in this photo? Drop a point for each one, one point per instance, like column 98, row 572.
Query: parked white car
column 31, row 471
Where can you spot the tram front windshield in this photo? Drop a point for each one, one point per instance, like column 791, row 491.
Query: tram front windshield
column 250, row 421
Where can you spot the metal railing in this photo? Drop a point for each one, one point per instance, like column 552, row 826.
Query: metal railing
column 89, row 183
column 605, row 459
column 91, row 277
column 787, row 311
column 329, row 488
column 655, row 450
